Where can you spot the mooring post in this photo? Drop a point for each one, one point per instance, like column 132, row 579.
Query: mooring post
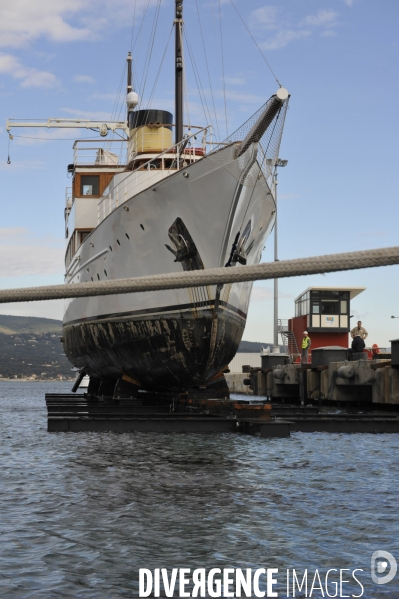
column 302, row 386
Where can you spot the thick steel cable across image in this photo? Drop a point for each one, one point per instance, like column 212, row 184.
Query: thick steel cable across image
column 213, row 276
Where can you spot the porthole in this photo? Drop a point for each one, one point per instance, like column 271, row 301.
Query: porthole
column 127, row 235
column 91, row 278
column 118, row 242
column 98, row 276
column 105, row 272
column 110, row 248
column 142, row 226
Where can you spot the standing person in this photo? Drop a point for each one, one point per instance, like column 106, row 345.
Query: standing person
column 359, row 330
column 306, row 343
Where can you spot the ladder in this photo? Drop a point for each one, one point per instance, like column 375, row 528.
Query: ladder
column 288, row 339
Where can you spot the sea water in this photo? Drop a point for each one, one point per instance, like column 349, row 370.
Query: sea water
column 81, row 513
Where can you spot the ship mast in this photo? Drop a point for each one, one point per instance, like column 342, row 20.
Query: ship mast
column 129, row 79
column 179, row 71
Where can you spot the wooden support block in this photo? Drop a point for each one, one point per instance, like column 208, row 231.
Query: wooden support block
column 376, row 365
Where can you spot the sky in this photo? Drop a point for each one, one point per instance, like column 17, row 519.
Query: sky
column 337, row 58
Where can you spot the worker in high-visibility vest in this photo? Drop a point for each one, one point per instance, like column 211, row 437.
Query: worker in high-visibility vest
column 306, row 343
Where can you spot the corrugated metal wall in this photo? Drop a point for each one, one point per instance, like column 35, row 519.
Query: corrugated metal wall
column 243, row 358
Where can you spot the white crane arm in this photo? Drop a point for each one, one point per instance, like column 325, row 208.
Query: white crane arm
column 103, row 126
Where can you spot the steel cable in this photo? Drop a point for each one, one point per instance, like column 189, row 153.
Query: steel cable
column 214, row 276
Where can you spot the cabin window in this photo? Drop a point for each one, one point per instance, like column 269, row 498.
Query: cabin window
column 83, row 235
column 90, row 185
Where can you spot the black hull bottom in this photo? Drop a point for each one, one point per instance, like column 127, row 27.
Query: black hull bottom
column 167, row 351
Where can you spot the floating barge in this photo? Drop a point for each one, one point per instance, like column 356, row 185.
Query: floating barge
column 167, row 413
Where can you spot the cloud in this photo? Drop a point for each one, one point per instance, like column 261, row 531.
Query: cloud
column 283, row 31
column 24, row 254
column 12, row 232
column 234, row 80
column 24, row 21
column 87, row 114
column 284, row 37
column 323, row 18
column 349, row 2
column 328, row 33
column 28, row 76
column 84, row 79
column 266, row 17
column 241, row 97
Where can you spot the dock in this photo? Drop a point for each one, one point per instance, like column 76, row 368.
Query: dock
column 330, row 395
column 330, row 379
column 79, row 413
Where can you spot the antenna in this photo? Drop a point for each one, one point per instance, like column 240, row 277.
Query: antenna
column 179, row 71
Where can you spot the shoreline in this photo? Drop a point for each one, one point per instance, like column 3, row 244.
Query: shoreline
column 14, row 380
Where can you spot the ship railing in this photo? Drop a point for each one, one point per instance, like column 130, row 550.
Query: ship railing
column 94, row 152
column 153, row 171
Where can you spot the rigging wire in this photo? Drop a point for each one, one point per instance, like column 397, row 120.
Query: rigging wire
column 150, row 49
column 202, row 96
column 254, row 41
column 141, row 25
column 207, row 68
column 144, row 71
column 135, row 73
column 134, row 20
column 224, row 81
column 118, row 93
column 260, row 166
column 117, row 100
column 159, row 69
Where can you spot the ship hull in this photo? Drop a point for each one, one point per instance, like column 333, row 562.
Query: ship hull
column 157, row 352
column 172, row 339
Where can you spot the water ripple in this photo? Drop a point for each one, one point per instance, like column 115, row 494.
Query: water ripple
column 81, row 513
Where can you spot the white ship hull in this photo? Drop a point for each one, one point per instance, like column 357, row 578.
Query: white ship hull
column 170, row 339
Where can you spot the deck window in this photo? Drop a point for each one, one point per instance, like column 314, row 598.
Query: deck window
column 83, row 235
column 90, row 185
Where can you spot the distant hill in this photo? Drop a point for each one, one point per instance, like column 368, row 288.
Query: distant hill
column 254, row 347
column 30, row 348
column 9, row 325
